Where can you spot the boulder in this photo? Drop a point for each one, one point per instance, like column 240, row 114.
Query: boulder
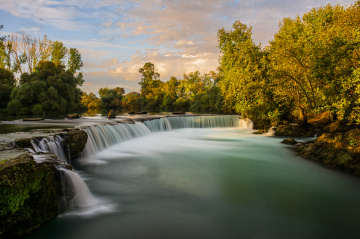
column 23, row 143
column 290, row 141
column 112, row 114
column 73, row 116
column 76, row 140
column 29, row 195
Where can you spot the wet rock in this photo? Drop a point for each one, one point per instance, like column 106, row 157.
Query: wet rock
column 73, row 116
column 76, row 140
column 23, row 143
column 112, row 114
column 290, row 141
column 29, row 195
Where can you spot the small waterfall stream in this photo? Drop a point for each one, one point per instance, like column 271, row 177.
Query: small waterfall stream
column 50, row 144
column 72, row 183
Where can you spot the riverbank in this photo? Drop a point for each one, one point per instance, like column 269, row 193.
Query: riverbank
column 336, row 145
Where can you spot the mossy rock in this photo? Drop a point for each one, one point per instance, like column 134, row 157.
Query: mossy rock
column 23, row 143
column 294, row 130
column 76, row 140
column 289, row 141
column 29, row 195
column 333, row 150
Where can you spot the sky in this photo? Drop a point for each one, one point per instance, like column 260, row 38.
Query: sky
column 117, row 37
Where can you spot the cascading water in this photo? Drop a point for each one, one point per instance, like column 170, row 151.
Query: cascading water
column 50, row 144
column 72, row 183
column 246, row 123
column 83, row 197
column 170, row 123
column 101, row 137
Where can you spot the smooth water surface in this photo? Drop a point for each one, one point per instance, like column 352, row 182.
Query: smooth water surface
column 210, row 183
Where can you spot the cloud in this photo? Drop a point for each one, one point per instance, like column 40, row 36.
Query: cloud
column 119, row 36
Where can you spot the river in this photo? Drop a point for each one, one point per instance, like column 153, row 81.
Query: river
column 209, row 183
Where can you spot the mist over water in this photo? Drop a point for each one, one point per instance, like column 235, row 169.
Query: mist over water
column 211, row 183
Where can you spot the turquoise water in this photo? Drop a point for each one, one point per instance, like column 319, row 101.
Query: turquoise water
column 210, row 183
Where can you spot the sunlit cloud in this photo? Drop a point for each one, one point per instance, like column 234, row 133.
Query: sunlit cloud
column 119, row 36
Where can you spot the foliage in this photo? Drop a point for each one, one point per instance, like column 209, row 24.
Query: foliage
column 314, row 61
column 91, row 101
column 48, row 89
column 111, row 98
column 7, row 84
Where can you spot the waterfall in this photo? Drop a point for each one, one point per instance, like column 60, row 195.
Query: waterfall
column 270, row 132
column 246, row 123
column 170, row 123
column 50, row 144
column 101, row 137
column 83, row 197
column 75, row 192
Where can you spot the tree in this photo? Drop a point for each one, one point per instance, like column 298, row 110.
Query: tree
column 132, row 101
column 314, row 59
column 148, row 75
column 50, row 87
column 7, row 84
column 91, row 101
column 74, row 60
column 111, row 98
column 241, row 72
column 59, row 52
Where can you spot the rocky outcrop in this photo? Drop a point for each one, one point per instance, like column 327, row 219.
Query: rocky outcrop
column 30, row 193
column 294, row 130
column 76, row 140
column 339, row 150
column 23, row 143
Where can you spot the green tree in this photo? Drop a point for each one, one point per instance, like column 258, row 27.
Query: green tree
column 111, row 98
column 241, row 72
column 59, row 52
column 148, row 76
column 49, row 86
column 7, row 84
column 74, row 60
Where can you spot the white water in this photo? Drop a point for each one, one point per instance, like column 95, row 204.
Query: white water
column 84, row 203
column 101, row 137
column 50, row 144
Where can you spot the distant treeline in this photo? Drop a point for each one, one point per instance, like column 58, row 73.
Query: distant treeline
column 195, row 92
column 311, row 66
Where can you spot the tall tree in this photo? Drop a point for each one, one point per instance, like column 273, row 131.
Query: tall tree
column 74, row 60
column 58, row 53
column 148, row 75
column 240, row 68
